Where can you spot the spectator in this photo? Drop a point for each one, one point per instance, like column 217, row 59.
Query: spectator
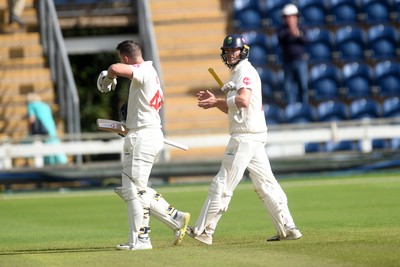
column 16, row 7
column 293, row 39
column 41, row 122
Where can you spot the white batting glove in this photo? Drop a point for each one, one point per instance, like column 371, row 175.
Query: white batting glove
column 106, row 84
column 227, row 87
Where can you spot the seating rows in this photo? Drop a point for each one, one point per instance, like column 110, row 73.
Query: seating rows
column 347, row 43
column 328, row 81
column 332, row 110
column 258, row 14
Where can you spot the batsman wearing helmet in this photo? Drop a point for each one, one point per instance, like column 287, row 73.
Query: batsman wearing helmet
column 142, row 146
column 245, row 150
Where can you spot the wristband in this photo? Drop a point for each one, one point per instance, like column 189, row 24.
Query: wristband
column 231, row 102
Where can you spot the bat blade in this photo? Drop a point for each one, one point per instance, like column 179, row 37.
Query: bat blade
column 120, row 128
column 215, row 75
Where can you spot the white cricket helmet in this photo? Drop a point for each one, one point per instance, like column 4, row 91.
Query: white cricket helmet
column 289, row 10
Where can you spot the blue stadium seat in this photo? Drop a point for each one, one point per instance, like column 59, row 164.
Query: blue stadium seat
column 382, row 41
column 357, row 79
column 379, row 143
column 320, row 46
column 387, row 78
column 258, row 44
column 313, row 147
column 273, row 114
column 275, row 50
column 248, row 19
column 376, row 11
column 272, row 12
column 363, row 108
column 313, row 12
column 350, row 43
column 391, row 107
column 344, row 12
column 269, row 82
column 299, row 113
column 346, row 145
column 332, row 110
column 395, row 144
column 324, row 82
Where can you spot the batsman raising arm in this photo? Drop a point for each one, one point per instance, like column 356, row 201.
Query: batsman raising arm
column 245, row 150
column 142, row 146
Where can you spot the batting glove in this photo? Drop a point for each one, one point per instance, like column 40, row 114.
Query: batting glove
column 227, row 87
column 106, row 84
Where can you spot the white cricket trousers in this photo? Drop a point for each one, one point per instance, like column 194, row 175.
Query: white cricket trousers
column 244, row 151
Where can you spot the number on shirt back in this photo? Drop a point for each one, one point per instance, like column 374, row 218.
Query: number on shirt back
column 156, row 101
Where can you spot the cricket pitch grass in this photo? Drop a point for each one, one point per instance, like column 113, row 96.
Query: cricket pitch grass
column 345, row 221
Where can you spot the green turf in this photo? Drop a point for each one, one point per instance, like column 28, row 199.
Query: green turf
column 346, row 221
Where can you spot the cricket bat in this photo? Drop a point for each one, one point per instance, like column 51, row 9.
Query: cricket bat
column 120, row 128
column 216, row 77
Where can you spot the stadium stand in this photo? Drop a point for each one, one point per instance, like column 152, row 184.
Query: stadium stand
column 347, row 145
column 382, row 42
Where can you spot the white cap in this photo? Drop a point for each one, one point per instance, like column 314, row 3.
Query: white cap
column 289, row 10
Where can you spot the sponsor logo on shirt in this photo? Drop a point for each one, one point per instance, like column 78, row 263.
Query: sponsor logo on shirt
column 246, row 81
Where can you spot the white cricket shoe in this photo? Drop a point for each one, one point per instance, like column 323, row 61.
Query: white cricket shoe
column 203, row 238
column 292, row 233
column 142, row 243
column 180, row 233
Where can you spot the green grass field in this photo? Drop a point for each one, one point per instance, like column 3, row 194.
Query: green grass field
column 345, row 221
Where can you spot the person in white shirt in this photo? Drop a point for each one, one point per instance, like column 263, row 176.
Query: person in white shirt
column 245, row 150
column 142, row 147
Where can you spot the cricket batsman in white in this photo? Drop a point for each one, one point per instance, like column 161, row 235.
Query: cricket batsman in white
column 245, row 150
column 142, row 146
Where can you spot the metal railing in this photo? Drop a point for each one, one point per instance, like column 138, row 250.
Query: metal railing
column 61, row 73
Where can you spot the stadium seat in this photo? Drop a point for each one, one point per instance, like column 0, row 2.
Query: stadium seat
column 274, row 51
column 375, row 11
column 379, row 143
column 363, row 108
column 272, row 12
column 331, row 110
column 313, row 12
column 382, row 41
column 258, row 44
column 320, row 46
column 345, row 145
column 313, row 147
column 324, row 82
column 299, row 113
column 269, row 82
column 350, row 43
column 387, row 78
column 344, row 12
column 248, row 19
column 391, row 107
column 273, row 114
column 395, row 144
column 357, row 79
